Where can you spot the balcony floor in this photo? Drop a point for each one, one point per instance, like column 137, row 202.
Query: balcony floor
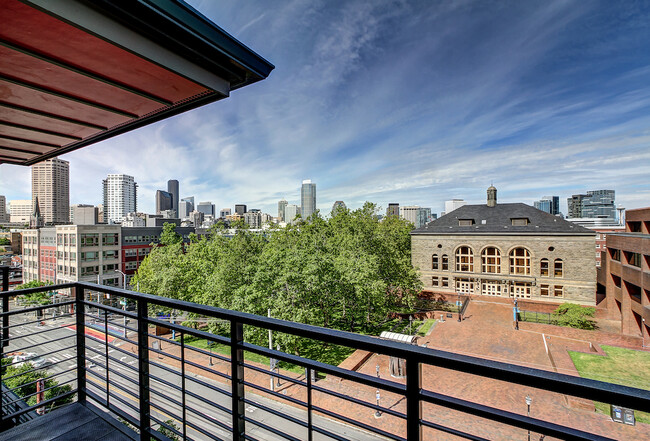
column 73, row 422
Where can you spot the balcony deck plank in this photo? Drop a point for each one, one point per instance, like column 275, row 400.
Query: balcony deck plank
column 73, row 422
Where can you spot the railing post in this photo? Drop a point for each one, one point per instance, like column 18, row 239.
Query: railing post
column 143, row 369
column 80, row 321
column 413, row 405
column 310, row 423
column 237, row 379
column 5, row 306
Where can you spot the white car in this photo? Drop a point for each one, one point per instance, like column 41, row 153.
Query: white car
column 21, row 358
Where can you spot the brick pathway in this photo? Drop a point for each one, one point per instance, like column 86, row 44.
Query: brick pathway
column 486, row 332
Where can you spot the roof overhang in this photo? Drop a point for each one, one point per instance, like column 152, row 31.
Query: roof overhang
column 75, row 72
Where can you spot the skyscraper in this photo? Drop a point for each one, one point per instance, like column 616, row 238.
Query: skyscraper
column 307, row 198
column 282, row 204
column 163, row 201
column 207, row 208
column 290, row 213
column 172, row 188
column 51, row 185
column 393, row 209
column 3, row 210
column 120, row 197
column 549, row 204
column 240, row 209
column 453, row 204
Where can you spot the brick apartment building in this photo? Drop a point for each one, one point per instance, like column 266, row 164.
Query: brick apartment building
column 626, row 273
column 506, row 250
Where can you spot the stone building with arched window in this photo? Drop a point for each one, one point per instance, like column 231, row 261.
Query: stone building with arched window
column 506, row 250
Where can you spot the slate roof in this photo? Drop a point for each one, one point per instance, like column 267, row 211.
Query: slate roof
column 498, row 220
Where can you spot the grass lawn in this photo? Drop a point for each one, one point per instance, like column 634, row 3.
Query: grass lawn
column 425, row 328
column 622, row 366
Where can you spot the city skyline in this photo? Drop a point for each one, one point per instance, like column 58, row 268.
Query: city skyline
column 564, row 112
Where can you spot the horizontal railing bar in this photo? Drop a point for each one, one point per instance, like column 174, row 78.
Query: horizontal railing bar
column 207, row 369
column 208, row 402
column 208, row 385
column 270, row 429
column 276, row 412
column 41, row 356
column 26, row 397
column 100, row 322
column 164, row 410
column 210, row 419
column 275, row 394
column 158, row 435
column 328, row 433
column 32, row 382
column 122, row 400
column 510, row 418
column 30, row 334
column 204, row 432
column 452, row 431
column 118, row 411
column 358, row 401
column 165, row 368
column 36, row 308
column 43, row 343
column 36, row 406
column 101, row 351
column 189, row 331
column 112, row 309
column 165, row 397
column 113, row 383
column 134, row 381
column 40, row 320
column 336, row 371
column 165, row 339
column 165, row 382
column 358, row 424
column 22, row 292
column 266, row 371
column 189, row 347
column 166, row 354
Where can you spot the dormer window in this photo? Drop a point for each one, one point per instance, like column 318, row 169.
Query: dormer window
column 465, row 222
column 519, row 221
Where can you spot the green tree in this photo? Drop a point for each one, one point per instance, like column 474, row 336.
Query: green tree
column 36, row 298
column 169, row 236
column 23, row 379
column 4, row 241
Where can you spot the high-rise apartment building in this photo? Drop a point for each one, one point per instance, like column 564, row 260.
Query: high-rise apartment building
column 282, row 204
column 594, row 204
column 51, row 185
column 120, row 197
column 172, row 188
column 393, row 209
column 253, row 218
column 225, row 212
column 207, row 208
column 163, row 201
column 307, row 198
column 548, row 204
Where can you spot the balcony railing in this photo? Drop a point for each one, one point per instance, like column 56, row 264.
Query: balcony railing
column 162, row 386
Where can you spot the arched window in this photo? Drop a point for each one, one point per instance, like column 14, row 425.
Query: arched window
column 543, row 268
column 445, row 262
column 491, row 260
column 434, row 262
column 559, row 268
column 464, row 259
column 520, row 261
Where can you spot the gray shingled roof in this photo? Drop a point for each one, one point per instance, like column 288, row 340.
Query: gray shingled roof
column 498, row 220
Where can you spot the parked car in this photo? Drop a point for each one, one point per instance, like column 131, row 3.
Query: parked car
column 20, row 358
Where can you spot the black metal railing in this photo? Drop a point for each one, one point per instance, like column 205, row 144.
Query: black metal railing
column 175, row 392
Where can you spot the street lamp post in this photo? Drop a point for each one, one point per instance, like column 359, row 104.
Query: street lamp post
column 410, row 323
column 377, row 370
column 377, row 413
column 124, row 305
column 529, row 400
column 643, row 333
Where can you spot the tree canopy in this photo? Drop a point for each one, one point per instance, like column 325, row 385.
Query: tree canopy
column 346, row 272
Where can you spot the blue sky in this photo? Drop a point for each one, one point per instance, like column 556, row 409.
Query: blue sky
column 404, row 101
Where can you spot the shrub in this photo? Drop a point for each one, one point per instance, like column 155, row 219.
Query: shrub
column 575, row 316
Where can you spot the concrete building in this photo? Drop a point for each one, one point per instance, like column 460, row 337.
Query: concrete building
column 197, row 218
column 240, row 209
column 20, row 210
column 415, row 214
column 172, row 188
column 185, row 207
column 47, row 260
column 282, row 205
column 82, row 214
column 393, row 209
column 207, row 208
column 625, row 273
column 163, row 201
column 253, row 218
column 290, row 213
column 51, row 185
column 134, row 220
column 307, row 198
column 506, row 250
column 31, row 254
column 120, row 197
column 224, row 213
column 548, row 204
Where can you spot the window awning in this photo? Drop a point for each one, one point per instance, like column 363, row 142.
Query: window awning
column 75, row 72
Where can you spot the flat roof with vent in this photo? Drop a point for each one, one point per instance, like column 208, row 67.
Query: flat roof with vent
column 75, row 72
